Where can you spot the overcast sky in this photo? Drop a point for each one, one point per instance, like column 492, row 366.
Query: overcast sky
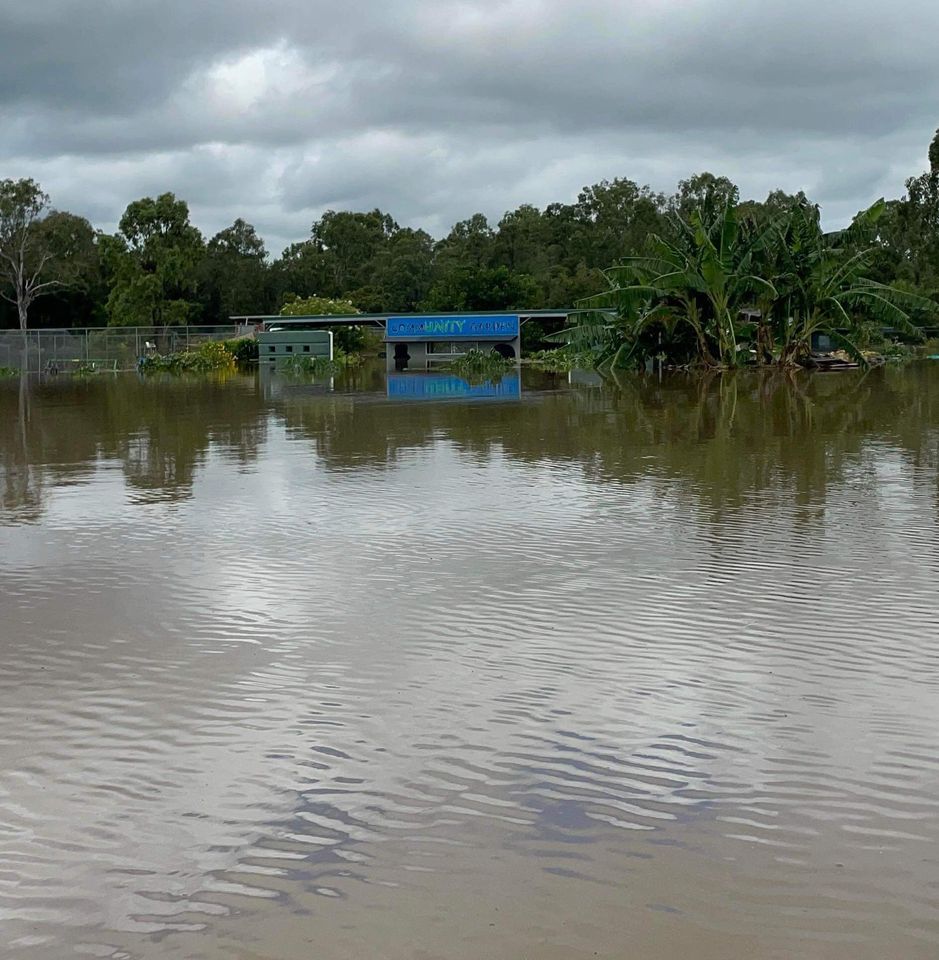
column 276, row 110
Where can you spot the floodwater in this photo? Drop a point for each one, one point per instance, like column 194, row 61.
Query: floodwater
column 553, row 669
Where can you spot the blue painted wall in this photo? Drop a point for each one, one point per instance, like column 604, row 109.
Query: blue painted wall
column 469, row 327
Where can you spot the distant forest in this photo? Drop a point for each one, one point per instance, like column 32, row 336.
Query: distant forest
column 159, row 269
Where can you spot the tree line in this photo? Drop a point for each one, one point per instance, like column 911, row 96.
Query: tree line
column 57, row 270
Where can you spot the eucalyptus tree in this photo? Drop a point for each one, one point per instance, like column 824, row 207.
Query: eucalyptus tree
column 615, row 219
column 702, row 190
column 234, row 276
column 400, row 273
column 26, row 253
column 347, row 243
column 908, row 234
column 153, row 264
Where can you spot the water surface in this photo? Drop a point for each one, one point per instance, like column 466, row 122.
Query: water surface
column 554, row 670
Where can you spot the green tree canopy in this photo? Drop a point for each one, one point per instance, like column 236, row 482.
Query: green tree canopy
column 480, row 288
column 703, row 190
column 154, row 264
column 234, row 277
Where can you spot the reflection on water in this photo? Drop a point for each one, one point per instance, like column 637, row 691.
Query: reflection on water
column 644, row 670
column 448, row 386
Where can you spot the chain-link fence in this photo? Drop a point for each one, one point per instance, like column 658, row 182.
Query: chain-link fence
column 102, row 348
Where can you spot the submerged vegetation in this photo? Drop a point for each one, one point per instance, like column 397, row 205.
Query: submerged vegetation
column 561, row 360
column 480, row 363
column 207, row 357
column 243, row 349
column 320, row 366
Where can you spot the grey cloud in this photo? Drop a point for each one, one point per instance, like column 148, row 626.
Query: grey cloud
column 432, row 109
column 113, row 57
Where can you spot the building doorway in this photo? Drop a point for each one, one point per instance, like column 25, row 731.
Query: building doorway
column 401, row 356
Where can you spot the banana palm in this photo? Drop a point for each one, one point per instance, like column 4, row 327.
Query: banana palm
column 822, row 285
column 742, row 292
column 701, row 277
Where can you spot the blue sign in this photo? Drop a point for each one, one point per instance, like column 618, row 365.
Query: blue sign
column 469, row 327
column 446, row 386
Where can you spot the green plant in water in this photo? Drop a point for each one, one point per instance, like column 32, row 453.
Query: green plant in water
column 311, row 366
column 243, row 349
column 212, row 355
column 561, row 360
column 320, row 366
column 480, row 362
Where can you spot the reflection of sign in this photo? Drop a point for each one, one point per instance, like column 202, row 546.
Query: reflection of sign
column 452, row 328
column 445, row 386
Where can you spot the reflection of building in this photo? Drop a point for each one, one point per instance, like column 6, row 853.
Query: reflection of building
column 275, row 385
column 448, row 386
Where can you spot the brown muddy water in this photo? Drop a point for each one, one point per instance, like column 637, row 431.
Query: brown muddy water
column 368, row 670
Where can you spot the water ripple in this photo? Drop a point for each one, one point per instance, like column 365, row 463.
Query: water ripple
column 352, row 661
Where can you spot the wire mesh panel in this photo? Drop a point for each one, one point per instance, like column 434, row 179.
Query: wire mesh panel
column 111, row 348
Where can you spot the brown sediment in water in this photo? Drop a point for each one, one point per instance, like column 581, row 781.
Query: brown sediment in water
column 296, row 670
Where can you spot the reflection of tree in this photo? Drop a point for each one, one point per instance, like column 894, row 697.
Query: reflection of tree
column 20, row 477
column 55, row 432
column 718, row 441
column 720, row 438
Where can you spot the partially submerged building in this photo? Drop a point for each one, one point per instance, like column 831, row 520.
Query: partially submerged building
column 419, row 342
column 414, row 341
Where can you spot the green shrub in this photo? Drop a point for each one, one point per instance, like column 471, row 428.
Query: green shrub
column 208, row 356
column 8, row 372
column 243, row 349
column 348, row 339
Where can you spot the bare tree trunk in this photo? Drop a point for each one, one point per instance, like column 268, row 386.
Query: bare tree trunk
column 24, row 354
column 21, row 308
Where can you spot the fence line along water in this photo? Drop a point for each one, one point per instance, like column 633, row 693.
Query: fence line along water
column 107, row 348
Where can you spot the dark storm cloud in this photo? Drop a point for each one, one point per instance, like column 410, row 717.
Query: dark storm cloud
column 433, row 109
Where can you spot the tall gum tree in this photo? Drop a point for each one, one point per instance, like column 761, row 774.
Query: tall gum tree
column 153, row 262
column 24, row 252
